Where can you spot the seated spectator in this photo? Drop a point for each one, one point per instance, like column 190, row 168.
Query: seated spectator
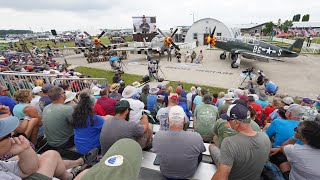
column 144, row 94
column 159, row 105
column 125, row 150
column 96, row 92
column 152, row 99
column 317, row 103
column 135, row 105
column 70, row 98
column 163, row 113
column 282, row 130
column 87, row 126
column 214, row 99
column 29, row 165
column 257, row 108
column 119, row 127
column 286, row 101
column 37, row 94
column 243, row 155
column 222, row 128
column 45, row 100
column 183, row 101
column 220, row 100
column 169, row 147
column 24, row 111
column 263, row 99
column 5, row 98
column 182, row 98
column 198, row 99
column 303, row 159
column 275, row 104
column 311, row 111
column 193, row 91
column 271, row 87
column 227, row 99
column 57, row 118
column 106, row 103
column 114, row 92
column 205, row 115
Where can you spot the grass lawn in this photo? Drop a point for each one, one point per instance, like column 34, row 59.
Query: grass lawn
column 130, row 78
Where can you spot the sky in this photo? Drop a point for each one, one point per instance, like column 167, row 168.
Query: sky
column 42, row 15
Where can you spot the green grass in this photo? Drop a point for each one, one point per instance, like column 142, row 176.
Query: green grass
column 130, row 78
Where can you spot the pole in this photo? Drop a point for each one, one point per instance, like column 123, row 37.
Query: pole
column 193, row 17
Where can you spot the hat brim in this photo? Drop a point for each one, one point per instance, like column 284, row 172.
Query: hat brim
column 225, row 117
column 8, row 125
column 72, row 97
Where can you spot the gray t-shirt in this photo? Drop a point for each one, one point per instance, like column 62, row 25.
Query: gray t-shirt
column 178, row 152
column 115, row 128
column 56, row 121
column 247, row 155
column 9, row 170
column 304, row 161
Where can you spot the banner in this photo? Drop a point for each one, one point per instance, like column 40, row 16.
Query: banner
column 144, row 24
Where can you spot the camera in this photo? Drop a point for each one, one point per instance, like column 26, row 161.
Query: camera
column 248, row 70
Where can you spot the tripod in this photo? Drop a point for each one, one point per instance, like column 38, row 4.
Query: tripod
column 250, row 78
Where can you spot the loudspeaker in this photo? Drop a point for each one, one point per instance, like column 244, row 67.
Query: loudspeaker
column 54, row 32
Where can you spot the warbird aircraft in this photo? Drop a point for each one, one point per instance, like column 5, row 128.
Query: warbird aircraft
column 252, row 49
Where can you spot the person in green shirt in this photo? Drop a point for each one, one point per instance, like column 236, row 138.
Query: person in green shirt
column 205, row 115
column 222, row 128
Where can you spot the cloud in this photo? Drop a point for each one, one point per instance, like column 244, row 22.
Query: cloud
column 83, row 14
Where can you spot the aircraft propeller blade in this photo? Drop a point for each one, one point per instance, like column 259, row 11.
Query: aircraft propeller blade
column 102, row 33
column 175, row 46
column 214, row 30
column 175, row 31
column 162, row 48
column 104, row 46
column 86, row 33
column 162, row 33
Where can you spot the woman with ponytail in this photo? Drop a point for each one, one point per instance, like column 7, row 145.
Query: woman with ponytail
column 87, row 125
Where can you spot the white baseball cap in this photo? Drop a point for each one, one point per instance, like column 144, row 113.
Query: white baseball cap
column 36, row 90
column 176, row 113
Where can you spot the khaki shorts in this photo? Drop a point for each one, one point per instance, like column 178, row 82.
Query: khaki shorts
column 145, row 140
column 37, row 176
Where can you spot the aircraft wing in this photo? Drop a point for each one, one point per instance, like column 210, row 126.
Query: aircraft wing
column 109, row 46
column 141, row 50
column 258, row 57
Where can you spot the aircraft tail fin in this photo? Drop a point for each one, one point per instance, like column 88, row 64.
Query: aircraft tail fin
column 297, row 45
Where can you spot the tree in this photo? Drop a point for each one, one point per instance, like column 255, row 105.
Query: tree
column 279, row 23
column 286, row 25
column 305, row 18
column 296, row 18
column 268, row 28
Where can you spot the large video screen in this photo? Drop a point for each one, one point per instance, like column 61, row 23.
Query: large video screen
column 144, row 24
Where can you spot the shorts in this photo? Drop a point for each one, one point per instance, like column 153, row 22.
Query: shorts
column 37, row 176
column 278, row 159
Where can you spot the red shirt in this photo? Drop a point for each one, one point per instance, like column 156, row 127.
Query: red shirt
column 107, row 105
column 268, row 110
column 98, row 110
column 258, row 109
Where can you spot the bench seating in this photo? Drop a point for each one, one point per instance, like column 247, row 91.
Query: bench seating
column 204, row 171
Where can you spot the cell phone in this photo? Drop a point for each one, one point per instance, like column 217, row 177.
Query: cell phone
column 156, row 161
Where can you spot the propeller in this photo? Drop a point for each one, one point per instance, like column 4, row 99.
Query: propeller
column 168, row 40
column 86, row 33
column 211, row 39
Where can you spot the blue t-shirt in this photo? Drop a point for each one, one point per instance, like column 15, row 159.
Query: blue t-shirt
column 18, row 110
column 271, row 87
column 43, row 102
column 281, row 130
column 262, row 103
column 8, row 101
column 88, row 138
column 151, row 101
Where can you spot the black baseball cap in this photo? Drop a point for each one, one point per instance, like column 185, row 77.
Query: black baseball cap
column 236, row 111
column 122, row 104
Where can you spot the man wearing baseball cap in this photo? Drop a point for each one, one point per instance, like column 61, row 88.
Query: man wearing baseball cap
column 179, row 151
column 163, row 113
column 29, row 165
column 119, row 127
column 311, row 111
column 243, row 155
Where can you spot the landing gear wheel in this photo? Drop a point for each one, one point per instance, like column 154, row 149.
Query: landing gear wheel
column 233, row 65
column 223, row 56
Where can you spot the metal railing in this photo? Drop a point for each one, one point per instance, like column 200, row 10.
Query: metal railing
column 79, row 84
column 15, row 81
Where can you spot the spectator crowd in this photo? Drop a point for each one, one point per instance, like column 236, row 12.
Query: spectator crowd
column 251, row 134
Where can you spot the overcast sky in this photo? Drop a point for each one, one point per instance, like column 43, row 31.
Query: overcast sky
column 95, row 14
